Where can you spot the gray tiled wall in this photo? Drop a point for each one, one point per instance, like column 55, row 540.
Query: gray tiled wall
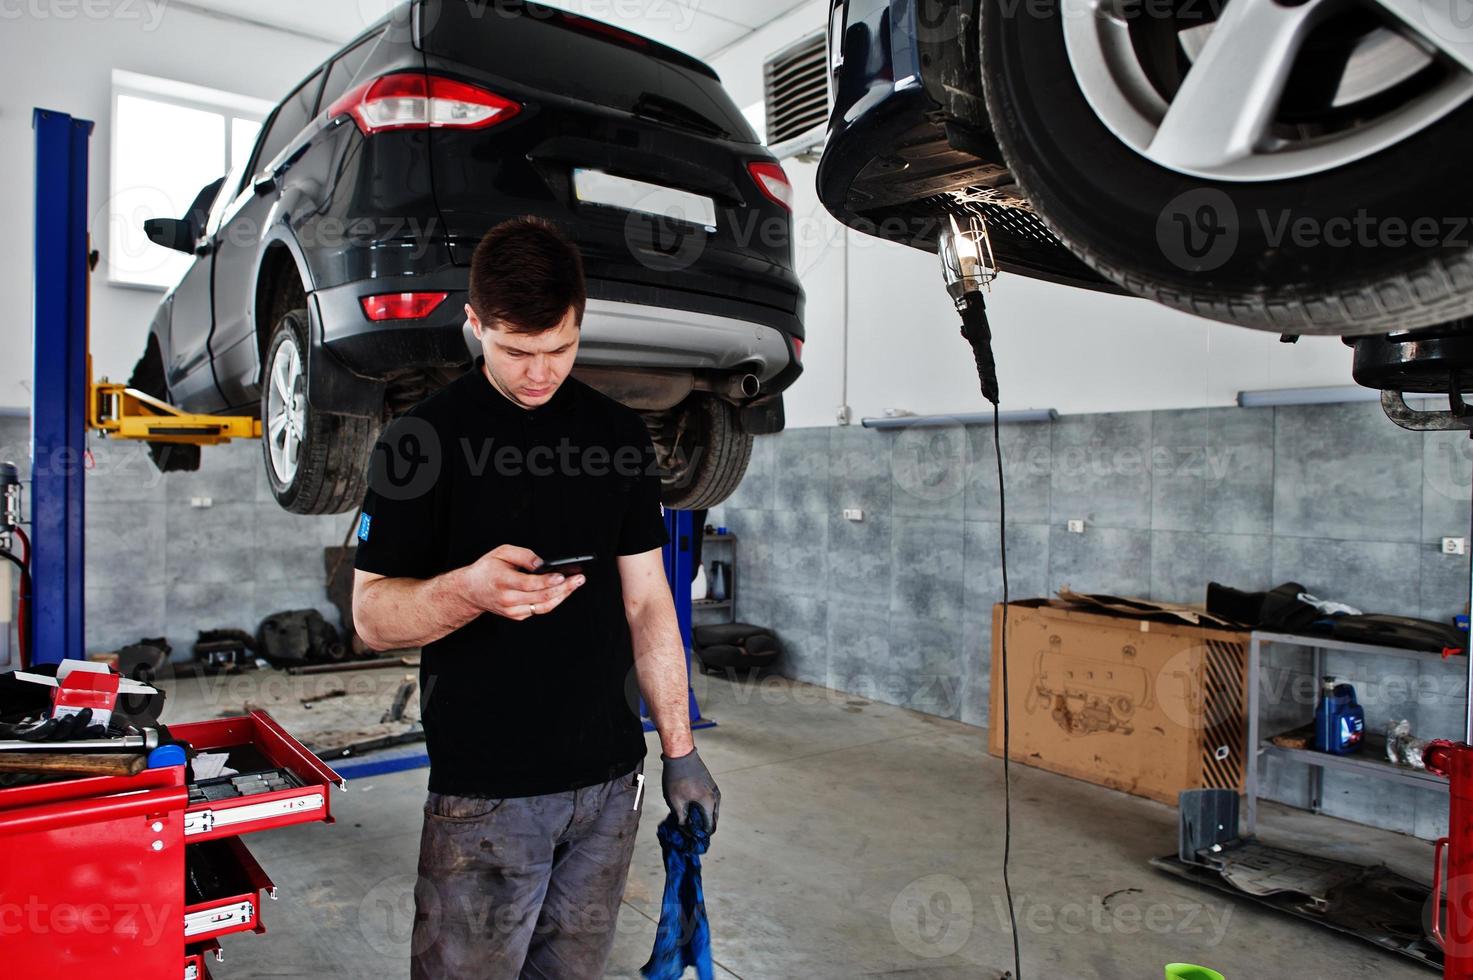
column 158, row 566
column 899, row 606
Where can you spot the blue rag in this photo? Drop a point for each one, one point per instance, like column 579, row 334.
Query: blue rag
column 684, row 936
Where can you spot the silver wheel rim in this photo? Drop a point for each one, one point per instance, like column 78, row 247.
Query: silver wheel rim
column 286, row 411
column 1223, row 120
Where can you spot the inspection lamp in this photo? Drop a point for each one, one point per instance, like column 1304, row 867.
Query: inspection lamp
column 967, row 264
column 968, row 267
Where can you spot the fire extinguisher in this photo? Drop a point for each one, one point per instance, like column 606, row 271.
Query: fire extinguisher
column 11, row 535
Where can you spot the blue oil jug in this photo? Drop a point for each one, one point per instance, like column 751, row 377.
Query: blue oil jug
column 1339, row 721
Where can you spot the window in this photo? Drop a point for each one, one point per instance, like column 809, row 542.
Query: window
column 344, row 72
column 756, row 115
column 289, row 121
column 169, row 141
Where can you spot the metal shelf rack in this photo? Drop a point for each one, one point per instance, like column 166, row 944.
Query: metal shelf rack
column 1364, row 763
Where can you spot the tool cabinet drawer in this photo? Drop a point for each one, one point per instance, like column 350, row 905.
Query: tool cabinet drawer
column 223, row 889
column 274, row 781
column 195, row 956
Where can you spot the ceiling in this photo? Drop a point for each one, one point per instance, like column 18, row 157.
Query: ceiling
column 692, row 26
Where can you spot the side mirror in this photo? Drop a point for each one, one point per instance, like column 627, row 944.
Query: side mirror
column 176, row 233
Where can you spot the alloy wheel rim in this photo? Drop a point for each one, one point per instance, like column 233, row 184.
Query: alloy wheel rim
column 1270, row 89
column 286, row 411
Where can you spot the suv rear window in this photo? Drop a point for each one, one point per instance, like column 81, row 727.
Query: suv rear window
column 546, row 49
column 289, row 121
column 345, row 68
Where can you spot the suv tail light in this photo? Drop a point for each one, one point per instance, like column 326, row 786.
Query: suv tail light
column 413, row 100
column 401, row 306
column 590, row 26
column 773, row 181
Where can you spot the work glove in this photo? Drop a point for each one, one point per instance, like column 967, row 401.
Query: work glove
column 71, row 728
column 686, row 780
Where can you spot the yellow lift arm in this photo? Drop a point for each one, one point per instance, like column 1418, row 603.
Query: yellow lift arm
column 120, row 412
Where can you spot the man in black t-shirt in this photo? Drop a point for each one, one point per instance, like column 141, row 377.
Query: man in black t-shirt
column 529, row 682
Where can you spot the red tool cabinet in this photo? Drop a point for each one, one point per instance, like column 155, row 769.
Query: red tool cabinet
column 93, row 870
column 195, row 956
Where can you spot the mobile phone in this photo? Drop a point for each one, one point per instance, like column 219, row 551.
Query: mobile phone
column 565, row 566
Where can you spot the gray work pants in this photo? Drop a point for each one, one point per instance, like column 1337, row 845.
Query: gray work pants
column 522, row 888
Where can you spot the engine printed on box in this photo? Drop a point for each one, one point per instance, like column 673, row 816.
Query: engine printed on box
column 1087, row 696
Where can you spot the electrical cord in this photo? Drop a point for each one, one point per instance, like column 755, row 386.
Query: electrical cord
column 978, row 333
column 1007, row 786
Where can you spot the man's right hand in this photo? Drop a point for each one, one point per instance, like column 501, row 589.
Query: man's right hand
column 501, row 584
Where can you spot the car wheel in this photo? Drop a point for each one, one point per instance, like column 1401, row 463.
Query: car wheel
column 148, row 377
column 1291, row 166
column 703, row 453
column 316, row 462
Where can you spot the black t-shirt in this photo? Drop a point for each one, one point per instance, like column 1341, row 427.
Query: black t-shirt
column 549, row 703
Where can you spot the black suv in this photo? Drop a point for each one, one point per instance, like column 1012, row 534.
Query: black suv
column 331, row 273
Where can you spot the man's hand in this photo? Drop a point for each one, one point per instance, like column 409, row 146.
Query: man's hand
column 686, row 780
column 499, row 583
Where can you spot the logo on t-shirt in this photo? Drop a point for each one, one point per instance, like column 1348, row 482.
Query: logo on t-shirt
column 407, row 460
column 363, row 524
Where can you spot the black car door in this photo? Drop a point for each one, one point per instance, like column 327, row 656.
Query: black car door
column 238, row 253
column 186, row 349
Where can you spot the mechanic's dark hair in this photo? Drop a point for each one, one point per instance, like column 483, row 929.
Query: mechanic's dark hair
column 526, row 275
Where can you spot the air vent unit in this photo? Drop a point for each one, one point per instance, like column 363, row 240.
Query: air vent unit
column 797, row 87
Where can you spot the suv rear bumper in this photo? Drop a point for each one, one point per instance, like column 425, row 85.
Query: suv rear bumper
column 629, row 335
column 625, row 326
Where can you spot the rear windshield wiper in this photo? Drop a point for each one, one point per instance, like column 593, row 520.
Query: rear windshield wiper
column 660, row 109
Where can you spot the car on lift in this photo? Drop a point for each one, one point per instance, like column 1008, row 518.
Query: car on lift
column 330, row 273
column 1296, row 167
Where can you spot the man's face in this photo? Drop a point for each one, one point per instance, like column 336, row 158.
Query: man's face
column 528, row 368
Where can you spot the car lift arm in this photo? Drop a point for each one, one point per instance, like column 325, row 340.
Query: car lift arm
column 120, row 412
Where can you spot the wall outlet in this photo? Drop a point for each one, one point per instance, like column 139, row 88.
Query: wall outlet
column 201, row 502
column 1076, row 527
column 1454, row 546
column 853, row 514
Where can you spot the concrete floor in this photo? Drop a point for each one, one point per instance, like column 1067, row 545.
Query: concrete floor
column 856, row 839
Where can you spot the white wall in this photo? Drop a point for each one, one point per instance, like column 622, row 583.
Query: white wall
column 1057, row 347
column 63, row 59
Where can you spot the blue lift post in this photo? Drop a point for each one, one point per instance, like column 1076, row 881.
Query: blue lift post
column 59, row 393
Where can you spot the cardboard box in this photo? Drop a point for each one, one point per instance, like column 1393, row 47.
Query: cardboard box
column 1146, row 707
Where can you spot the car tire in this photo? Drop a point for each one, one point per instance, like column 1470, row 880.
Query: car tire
column 703, row 451
column 316, row 462
column 1126, row 216
column 148, row 377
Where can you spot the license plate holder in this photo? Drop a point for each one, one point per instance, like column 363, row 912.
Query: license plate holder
column 642, row 197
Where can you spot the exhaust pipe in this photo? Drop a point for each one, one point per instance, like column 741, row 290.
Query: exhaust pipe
column 739, row 387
